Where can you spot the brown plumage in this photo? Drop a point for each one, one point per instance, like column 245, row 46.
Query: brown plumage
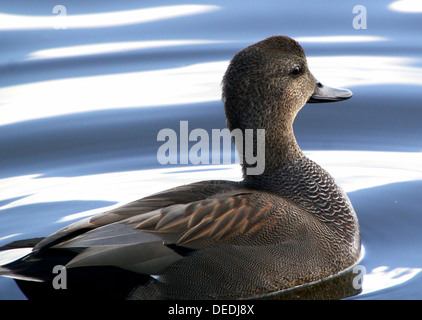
column 290, row 225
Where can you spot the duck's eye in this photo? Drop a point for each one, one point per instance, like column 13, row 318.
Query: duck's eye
column 296, row 70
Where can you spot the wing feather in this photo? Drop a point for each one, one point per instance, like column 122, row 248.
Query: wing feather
column 141, row 209
column 225, row 217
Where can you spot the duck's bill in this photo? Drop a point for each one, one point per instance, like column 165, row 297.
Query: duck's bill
column 327, row 94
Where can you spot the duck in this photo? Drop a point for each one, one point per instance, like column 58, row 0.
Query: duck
column 289, row 225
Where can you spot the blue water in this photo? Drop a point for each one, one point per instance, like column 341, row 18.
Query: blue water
column 81, row 107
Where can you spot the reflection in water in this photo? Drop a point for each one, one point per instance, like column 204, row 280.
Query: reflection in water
column 12, row 255
column 349, row 71
column 384, row 277
column 112, row 47
column 357, row 170
column 195, row 83
column 339, row 286
column 340, row 39
column 9, row 236
column 97, row 20
column 407, row 6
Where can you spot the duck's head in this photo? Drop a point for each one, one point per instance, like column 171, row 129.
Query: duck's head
column 267, row 83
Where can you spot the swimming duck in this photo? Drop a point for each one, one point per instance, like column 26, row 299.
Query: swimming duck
column 290, row 225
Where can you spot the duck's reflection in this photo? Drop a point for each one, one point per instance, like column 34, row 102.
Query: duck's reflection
column 339, row 286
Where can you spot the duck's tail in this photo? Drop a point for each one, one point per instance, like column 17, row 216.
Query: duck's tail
column 33, row 271
column 19, row 262
column 12, row 256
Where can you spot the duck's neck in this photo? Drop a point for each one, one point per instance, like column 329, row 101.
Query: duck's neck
column 276, row 151
column 281, row 148
column 282, row 153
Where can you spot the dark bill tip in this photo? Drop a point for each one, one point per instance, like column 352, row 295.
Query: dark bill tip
column 327, row 94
